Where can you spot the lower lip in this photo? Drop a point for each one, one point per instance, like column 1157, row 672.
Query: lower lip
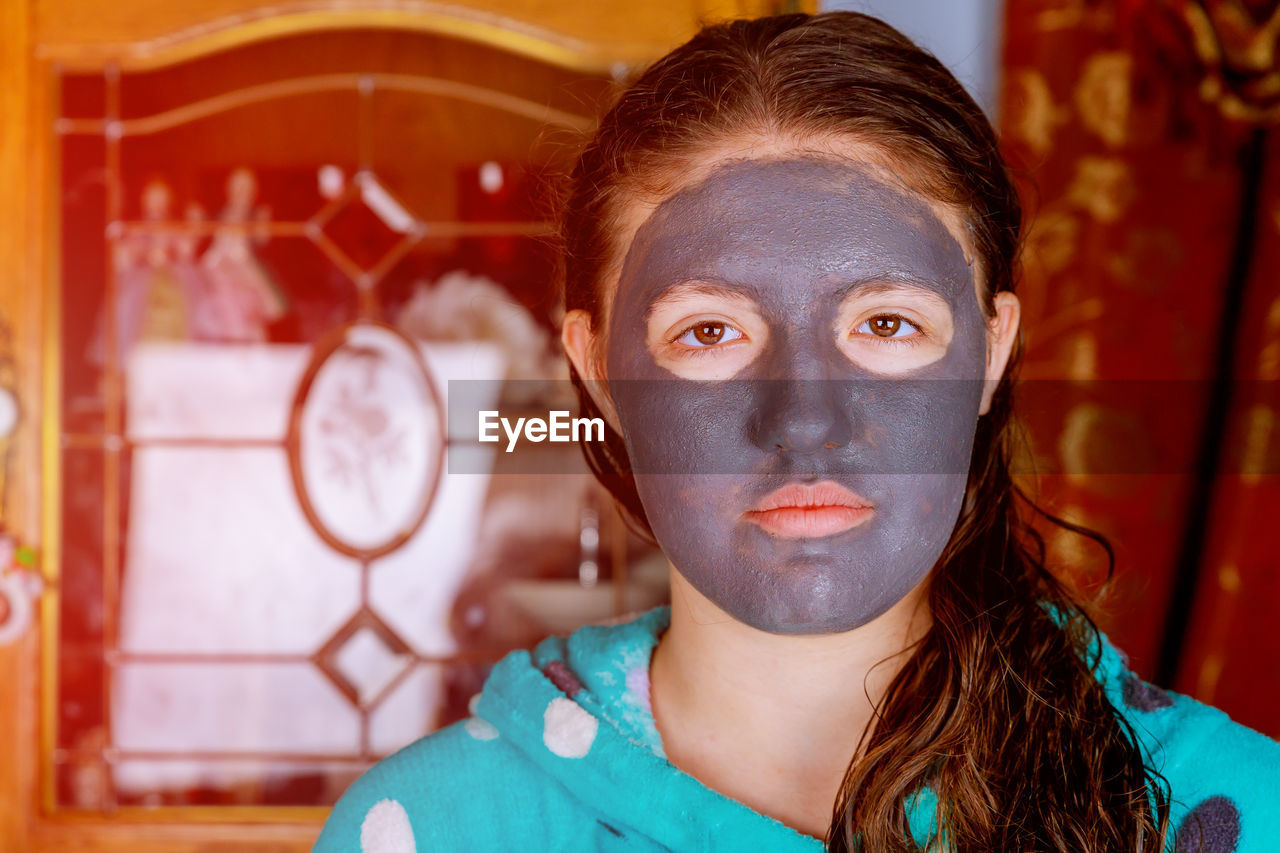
column 809, row 522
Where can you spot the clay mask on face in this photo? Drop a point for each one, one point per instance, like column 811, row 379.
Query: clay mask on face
column 800, row 453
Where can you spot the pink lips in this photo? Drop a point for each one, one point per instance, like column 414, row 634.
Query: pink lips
column 810, row 511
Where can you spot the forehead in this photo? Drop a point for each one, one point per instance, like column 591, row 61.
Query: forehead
column 784, row 226
column 772, row 217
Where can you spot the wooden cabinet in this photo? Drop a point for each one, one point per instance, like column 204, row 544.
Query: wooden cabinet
column 316, row 161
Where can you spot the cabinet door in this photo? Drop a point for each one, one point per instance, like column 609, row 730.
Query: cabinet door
column 243, row 255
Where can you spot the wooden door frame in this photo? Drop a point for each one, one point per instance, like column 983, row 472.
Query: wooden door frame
column 20, row 308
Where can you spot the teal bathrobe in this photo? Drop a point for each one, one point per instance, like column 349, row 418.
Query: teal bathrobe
column 561, row 753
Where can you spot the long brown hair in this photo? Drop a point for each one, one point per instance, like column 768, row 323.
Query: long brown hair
column 997, row 709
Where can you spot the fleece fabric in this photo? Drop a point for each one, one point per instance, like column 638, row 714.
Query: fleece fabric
column 561, row 753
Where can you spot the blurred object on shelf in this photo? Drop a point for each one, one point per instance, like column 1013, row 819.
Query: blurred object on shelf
column 330, row 181
column 158, row 287
column 527, row 580
column 21, row 582
column 462, row 306
column 242, row 300
column 20, row 586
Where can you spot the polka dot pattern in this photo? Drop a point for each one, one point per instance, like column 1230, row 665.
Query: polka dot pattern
column 568, row 730
column 386, row 829
column 1142, row 696
column 1211, row 827
column 476, row 727
column 480, row 729
column 561, row 676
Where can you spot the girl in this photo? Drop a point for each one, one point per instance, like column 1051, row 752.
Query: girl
column 789, row 270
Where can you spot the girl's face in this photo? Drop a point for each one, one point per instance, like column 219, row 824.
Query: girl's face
column 797, row 359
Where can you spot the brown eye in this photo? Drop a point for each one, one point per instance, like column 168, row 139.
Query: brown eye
column 886, row 326
column 708, row 333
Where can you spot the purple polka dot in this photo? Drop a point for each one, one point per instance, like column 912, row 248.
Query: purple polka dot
column 562, row 677
column 638, row 684
column 1211, row 827
column 1143, row 696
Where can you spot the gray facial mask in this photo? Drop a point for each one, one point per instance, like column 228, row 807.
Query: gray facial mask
column 794, row 236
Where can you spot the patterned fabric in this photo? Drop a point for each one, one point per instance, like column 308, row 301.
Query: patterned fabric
column 1129, row 124
column 561, row 753
column 1238, row 44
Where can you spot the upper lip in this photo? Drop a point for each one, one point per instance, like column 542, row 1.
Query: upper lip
column 811, row 496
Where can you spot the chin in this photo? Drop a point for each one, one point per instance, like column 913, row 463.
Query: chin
column 806, row 625
column 804, row 609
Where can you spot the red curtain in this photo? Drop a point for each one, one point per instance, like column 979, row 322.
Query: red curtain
column 1151, row 294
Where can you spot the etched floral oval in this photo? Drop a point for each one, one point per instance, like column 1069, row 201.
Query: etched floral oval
column 366, row 439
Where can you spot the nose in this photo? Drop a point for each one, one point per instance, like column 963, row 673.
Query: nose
column 803, row 415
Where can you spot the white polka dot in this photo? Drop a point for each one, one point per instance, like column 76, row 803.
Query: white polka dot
column 568, row 729
column 386, row 829
column 473, row 704
column 480, row 729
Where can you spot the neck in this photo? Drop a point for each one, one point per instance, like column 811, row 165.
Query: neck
column 774, row 720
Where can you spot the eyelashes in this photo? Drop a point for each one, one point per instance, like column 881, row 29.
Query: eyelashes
column 709, row 334
column 873, row 325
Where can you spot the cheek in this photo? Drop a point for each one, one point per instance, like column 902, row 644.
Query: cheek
column 677, row 426
column 913, row 426
column 692, row 508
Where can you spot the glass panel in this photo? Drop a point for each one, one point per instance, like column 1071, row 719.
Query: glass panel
column 82, row 724
column 83, row 96
column 252, row 609
column 83, row 261
column 220, row 559
column 233, row 707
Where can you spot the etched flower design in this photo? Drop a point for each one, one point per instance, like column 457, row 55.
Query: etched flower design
column 361, row 444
